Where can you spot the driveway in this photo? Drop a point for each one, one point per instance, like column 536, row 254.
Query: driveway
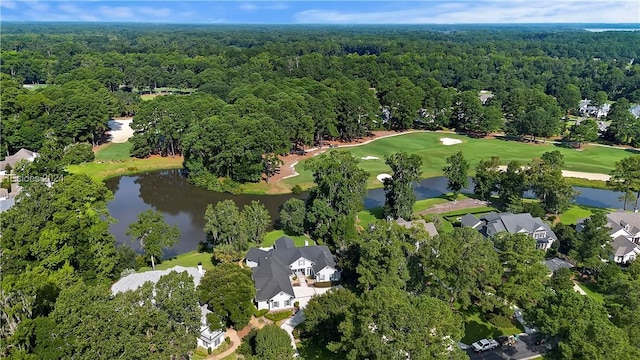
column 525, row 348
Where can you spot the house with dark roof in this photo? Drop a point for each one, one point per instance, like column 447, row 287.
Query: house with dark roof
column 494, row 223
column 273, row 270
column 624, row 229
column 208, row 338
column 556, row 264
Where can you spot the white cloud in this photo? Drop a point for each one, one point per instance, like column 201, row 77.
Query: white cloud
column 116, row 12
column 248, row 7
column 161, row 12
column 8, row 4
column 485, row 12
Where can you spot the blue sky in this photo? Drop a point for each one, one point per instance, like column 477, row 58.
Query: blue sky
column 326, row 12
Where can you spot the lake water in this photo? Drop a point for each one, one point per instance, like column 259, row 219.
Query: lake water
column 184, row 204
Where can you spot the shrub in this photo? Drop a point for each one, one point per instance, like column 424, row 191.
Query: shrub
column 296, row 189
column 322, row 284
column 275, row 317
column 296, row 305
column 227, row 340
column 500, row 321
column 259, row 313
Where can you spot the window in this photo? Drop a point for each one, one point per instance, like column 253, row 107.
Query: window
column 275, row 304
column 217, row 342
column 301, row 262
column 287, row 302
column 321, row 277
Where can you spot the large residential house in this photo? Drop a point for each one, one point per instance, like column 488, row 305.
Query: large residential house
column 588, row 110
column 274, row 269
column 625, row 234
column 493, row 223
column 208, row 338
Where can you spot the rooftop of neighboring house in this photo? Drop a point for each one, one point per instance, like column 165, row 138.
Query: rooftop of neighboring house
column 136, row 280
column 629, row 221
column 623, row 246
column 493, row 223
column 272, row 273
column 556, row 264
column 22, row 154
column 428, row 226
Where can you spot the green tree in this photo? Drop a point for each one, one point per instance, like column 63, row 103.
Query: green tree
column 524, row 270
column 323, row 315
column 594, row 239
column 487, row 179
column 273, row 343
column 77, row 154
column 224, row 225
column 256, row 219
column 569, row 97
column 154, row 234
column 292, row 216
column 399, row 196
column 337, row 197
column 388, row 323
column 547, row 183
column 624, row 128
column 456, row 171
column 625, row 177
column 586, row 131
column 229, row 291
column 459, row 266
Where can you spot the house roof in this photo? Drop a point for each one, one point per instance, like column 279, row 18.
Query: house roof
column 22, row 154
column 284, row 242
column 619, row 219
column 493, row 223
column 271, row 276
column 623, row 246
column 556, row 264
column 470, row 221
column 136, row 280
column 429, row 227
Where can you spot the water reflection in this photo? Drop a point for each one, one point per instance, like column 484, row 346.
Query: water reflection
column 184, row 204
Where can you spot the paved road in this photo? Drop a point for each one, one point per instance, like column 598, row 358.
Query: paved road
column 525, row 348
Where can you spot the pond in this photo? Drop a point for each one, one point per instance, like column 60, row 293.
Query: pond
column 184, row 204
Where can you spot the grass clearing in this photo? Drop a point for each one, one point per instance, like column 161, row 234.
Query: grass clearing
column 592, row 291
column 190, row 259
column 422, row 205
column 594, row 159
column 271, row 237
column 477, row 327
column 575, row 212
column 105, row 170
column 113, row 151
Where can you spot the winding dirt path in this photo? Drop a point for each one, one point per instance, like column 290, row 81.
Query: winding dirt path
column 235, row 342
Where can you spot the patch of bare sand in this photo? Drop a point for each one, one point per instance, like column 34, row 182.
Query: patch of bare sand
column 576, row 174
column 120, row 130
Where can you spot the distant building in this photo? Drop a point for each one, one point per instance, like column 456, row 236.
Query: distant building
column 208, row 338
column 635, row 111
column 556, row 264
column 494, row 223
column 588, row 110
column 429, row 227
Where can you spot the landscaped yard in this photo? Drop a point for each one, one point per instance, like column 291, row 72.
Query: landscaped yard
column 576, row 212
column 477, row 327
column 594, row 159
column 102, row 171
column 591, row 291
column 271, row 237
column 113, row 151
column 190, row 259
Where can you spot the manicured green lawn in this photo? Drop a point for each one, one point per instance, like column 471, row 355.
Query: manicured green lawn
column 102, row 171
column 575, row 212
column 591, row 291
column 424, row 204
column 114, row 151
column 271, row 237
column 476, row 328
column 190, row 259
column 595, row 159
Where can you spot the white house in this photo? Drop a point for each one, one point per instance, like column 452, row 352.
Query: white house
column 625, row 231
column 274, row 269
column 208, row 338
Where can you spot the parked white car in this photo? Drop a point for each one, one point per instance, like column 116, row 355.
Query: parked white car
column 484, row 344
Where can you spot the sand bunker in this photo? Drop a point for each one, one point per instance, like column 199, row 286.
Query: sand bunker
column 120, row 130
column 381, row 177
column 574, row 174
column 370, row 158
column 450, row 141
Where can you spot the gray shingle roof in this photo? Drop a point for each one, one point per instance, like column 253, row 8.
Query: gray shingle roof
column 271, row 276
column 493, row 223
column 470, row 221
column 284, row 242
column 556, row 264
column 429, row 227
column 619, row 219
column 623, row 246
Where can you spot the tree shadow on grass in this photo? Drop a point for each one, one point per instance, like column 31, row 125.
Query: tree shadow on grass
column 475, row 331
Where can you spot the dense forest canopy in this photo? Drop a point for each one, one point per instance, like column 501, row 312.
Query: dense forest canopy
column 294, row 86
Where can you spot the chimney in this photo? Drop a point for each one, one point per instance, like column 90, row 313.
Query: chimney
column 306, row 242
column 200, row 268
